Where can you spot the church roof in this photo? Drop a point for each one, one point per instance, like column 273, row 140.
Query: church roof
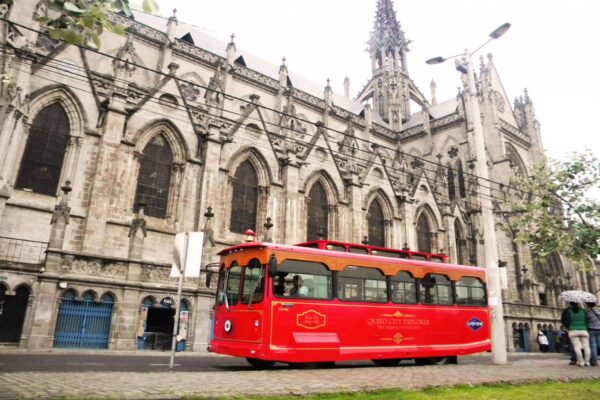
column 213, row 45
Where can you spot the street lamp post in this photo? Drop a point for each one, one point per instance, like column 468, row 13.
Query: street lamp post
column 487, row 215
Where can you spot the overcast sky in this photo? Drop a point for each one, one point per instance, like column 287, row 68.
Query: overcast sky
column 551, row 48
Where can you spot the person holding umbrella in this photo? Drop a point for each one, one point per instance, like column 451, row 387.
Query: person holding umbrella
column 575, row 321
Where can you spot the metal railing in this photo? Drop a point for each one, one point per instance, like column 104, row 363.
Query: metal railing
column 22, row 251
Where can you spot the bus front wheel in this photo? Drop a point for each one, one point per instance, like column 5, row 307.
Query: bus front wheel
column 257, row 363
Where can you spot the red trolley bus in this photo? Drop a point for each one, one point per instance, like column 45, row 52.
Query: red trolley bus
column 297, row 304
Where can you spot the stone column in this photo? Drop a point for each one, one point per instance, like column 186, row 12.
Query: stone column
column 208, row 246
column 127, row 321
column 60, row 219
column 203, row 308
column 292, row 201
column 42, row 326
column 354, row 190
column 106, row 170
column 137, row 233
column 209, row 180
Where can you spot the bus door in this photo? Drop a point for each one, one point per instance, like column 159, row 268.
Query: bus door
column 302, row 315
column 239, row 305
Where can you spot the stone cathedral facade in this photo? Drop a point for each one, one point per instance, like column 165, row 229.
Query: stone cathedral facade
column 105, row 156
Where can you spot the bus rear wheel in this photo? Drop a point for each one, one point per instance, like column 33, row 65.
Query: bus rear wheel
column 386, row 362
column 436, row 360
column 258, row 363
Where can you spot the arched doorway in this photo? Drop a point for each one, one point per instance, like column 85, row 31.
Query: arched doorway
column 12, row 314
column 157, row 318
column 84, row 322
column 521, row 337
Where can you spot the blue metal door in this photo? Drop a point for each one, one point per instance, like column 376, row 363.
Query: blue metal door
column 83, row 323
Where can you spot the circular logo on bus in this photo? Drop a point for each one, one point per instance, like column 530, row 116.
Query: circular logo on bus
column 227, row 326
column 475, row 324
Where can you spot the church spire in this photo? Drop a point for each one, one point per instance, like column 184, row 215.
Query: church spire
column 387, row 46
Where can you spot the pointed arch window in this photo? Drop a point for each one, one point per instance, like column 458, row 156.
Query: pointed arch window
column 381, row 105
column 44, row 154
column 376, row 224
column 451, row 187
column 244, row 200
column 461, row 182
column 154, row 179
column 423, row 234
column 318, row 213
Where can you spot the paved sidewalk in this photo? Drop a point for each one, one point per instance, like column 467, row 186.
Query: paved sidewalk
column 165, row 385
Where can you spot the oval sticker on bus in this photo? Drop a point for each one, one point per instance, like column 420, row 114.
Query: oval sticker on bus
column 475, row 324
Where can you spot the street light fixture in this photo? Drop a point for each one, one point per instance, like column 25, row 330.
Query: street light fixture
column 498, row 333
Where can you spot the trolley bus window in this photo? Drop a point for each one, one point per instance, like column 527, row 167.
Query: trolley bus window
column 233, row 284
column 392, row 254
column 404, row 288
column 436, row 289
column 436, row 259
column 419, row 257
column 253, row 286
column 221, row 286
column 362, row 284
column 358, row 250
column 470, row 291
column 335, row 247
column 313, row 280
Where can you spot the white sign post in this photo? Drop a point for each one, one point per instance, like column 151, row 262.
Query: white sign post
column 187, row 257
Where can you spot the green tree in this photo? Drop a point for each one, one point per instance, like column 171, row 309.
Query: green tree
column 82, row 21
column 557, row 213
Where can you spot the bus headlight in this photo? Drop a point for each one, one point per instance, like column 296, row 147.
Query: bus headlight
column 227, row 326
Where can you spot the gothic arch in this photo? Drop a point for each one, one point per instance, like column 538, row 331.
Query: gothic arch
column 179, row 152
column 323, row 177
column 325, row 182
column 516, row 161
column 380, row 197
column 258, row 161
column 384, row 201
column 63, row 95
column 111, row 294
column 77, row 120
column 171, row 133
column 264, row 178
column 426, row 241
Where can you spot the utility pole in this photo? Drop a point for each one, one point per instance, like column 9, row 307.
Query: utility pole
column 488, row 224
column 491, row 261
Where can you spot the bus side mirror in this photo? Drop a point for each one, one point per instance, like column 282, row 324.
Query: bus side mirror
column 272, row 270
column 208, row 277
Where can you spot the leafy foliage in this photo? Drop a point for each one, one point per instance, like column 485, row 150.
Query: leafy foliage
column 81, row 21
column 557, row 213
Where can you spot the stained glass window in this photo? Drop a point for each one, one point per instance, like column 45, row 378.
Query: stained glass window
column 423, row 234
column 155, row 178
column 244, row 201
column 45, row 151
column 376, row 224
column 318, row 213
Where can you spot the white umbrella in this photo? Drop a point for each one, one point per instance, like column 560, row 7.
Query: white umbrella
column 577, row 296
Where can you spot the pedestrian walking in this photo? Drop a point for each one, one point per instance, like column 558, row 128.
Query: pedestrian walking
column 543, row 342
column 594, row 331
column 575, row 320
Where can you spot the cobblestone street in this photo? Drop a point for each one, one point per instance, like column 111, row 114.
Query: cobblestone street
column 165, row 385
